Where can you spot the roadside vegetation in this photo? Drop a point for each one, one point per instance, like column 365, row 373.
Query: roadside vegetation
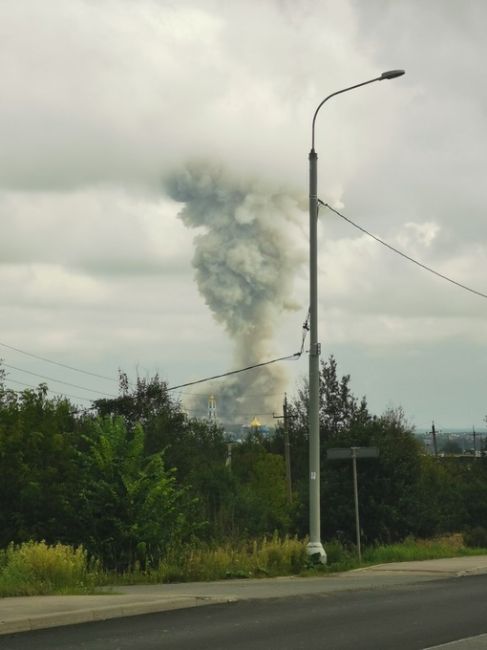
column 132, row 490
column 34, row 568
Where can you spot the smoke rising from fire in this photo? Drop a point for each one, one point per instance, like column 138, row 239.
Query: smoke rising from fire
column 246, row 254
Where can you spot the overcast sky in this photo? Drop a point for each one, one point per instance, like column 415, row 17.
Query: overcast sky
column 128, row 129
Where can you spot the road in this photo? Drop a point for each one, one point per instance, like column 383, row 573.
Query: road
column 408, row 617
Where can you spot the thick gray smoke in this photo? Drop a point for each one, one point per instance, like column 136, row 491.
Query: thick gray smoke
column 245, row 259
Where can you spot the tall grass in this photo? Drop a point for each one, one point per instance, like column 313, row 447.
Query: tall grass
column 34, row 568
column 268, row 557
column 416, row 549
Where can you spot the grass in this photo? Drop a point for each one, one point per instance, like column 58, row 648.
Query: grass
column 413, row 549
column 35, row 568
column 268, row 557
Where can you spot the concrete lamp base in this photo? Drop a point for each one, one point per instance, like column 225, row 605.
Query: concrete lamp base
column 316, row 551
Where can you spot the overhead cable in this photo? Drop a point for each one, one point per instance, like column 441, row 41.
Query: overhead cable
column 305, row 331
column 253, row 414
column 407, row 257
column 58, row 381
column 216, row 394
column 57, row 363
column 291, row 357
column 49, row 390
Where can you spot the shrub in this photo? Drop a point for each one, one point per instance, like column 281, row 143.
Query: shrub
column 36, row 568
column 475, row 537
column 247, row 559
column 337, row 553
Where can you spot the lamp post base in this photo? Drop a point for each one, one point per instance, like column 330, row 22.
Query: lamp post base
column 316, row 551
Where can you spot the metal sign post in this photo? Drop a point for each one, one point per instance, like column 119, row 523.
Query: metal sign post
column 343, row 453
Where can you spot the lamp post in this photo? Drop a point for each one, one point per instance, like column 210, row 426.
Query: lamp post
column 315, row 547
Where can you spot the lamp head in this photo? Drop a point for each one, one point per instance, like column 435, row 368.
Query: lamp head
column 392, row 74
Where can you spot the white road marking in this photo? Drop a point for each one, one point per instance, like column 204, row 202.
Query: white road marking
column 478, row 642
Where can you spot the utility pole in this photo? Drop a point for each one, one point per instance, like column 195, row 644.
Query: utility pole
column 228, row 461
column 433, row 434
column 287, row 452
column 355, row 497
column 474, row 434
column 287, row 449
column 315, row 547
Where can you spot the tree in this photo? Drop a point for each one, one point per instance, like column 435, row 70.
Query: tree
column 440, row 505
column 389, row 487
column 339, row 412
column 339, row 408
column 131, row 507
column 194, row 449
column 38, row 471
column 451, row 447
column 261, row 505
column 141, row 403
column 394, row 480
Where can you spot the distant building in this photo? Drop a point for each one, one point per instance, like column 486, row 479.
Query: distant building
column 255, row 427
column 212, row 409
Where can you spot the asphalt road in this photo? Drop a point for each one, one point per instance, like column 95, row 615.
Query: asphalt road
column 410, row 617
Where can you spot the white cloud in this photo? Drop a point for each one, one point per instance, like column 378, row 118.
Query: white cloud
column 101, row 100
column 421, row 233
column 101, row 230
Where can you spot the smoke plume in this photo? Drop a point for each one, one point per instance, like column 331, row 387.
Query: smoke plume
column 245, row 259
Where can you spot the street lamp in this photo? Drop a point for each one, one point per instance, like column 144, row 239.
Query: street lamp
column 315, row 546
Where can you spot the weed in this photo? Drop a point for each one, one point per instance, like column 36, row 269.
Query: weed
column 475, row 537
column 36, row 568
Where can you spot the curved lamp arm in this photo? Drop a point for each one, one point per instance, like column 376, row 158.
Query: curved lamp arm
column 390, row 74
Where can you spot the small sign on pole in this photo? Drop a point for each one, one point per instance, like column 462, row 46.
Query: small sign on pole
column 352, row 453
column 337, row 453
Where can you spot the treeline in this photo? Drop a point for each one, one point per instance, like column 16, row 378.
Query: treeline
column 133, row 476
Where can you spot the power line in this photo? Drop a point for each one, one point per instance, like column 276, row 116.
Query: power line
column 94, row 374
column 305, row 330
column 50, row 390
column 407, row 257
column 58, row 381
column 252, row 414
column 217, row 394
column 293, row 357
column 57, row 363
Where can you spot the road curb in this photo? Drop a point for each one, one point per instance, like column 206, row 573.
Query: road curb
column 435, row 570
column 58, row 619
column 28, row 614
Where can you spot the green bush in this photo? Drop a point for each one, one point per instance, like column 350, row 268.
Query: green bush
column 337, row 553
column 36, row 568
column 475, row 537
column 250, row 559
